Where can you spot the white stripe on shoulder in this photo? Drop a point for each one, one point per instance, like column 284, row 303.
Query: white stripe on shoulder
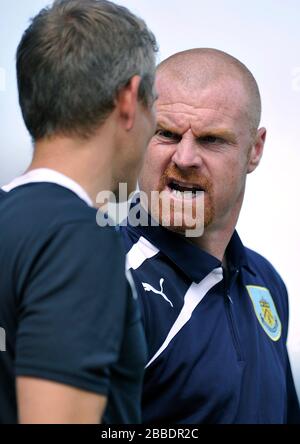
column 192, row 298
column 131, row 283
column 139, row 253
column 49, row 176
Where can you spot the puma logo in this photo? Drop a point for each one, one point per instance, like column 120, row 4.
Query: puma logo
column 148, row 287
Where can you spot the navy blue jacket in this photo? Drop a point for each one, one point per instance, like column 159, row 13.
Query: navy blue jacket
column 216, row 339
column 67, row 309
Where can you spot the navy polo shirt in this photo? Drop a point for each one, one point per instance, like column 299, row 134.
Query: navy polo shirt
column 65, row 304
column 216, row 339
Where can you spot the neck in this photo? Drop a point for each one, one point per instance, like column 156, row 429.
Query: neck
column 87, row 162
column 215, row 242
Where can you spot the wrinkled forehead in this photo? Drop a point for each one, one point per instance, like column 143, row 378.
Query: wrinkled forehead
column 220, row 103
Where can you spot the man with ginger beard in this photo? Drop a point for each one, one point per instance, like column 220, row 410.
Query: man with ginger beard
column 215, row 313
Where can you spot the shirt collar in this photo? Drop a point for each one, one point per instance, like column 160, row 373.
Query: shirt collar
column 194, row 262
column 50, row 176
column 236, row 254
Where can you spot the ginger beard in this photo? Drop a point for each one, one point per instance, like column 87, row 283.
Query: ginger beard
column 177, row 205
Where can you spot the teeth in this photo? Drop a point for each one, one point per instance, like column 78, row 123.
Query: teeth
column 188, row 194
column 183, row 194
column 183, row 185
column 177, row 194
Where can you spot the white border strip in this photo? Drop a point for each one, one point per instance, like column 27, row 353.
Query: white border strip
column 192, row 298
column 139, row 253
column 49, row 176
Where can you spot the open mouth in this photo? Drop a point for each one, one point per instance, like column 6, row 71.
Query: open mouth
column 182, row 190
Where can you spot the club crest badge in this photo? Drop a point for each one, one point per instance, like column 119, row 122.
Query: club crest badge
column 265, row 311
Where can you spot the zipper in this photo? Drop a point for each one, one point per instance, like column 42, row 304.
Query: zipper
column 232, row 324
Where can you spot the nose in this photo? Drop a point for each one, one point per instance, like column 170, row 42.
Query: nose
column 187, row 154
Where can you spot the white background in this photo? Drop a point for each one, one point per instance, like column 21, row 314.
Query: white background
column 263, row 34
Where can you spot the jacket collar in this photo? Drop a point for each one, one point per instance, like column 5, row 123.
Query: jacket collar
column 190, row 259
column 48, row 175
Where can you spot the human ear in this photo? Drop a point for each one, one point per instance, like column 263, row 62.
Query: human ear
column 127, row 101
column 257, row 149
